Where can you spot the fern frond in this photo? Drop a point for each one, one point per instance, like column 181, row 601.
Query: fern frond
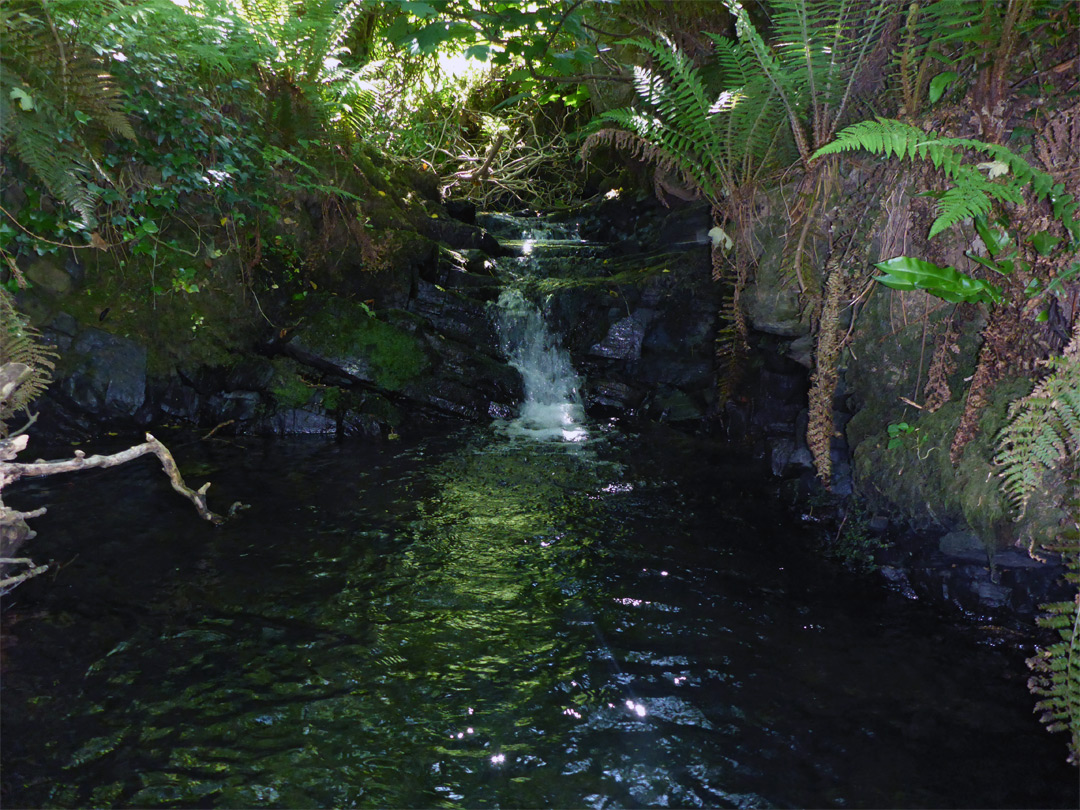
column 973, row 193
column 1043, row 431
column 21, row 344
column 63, row 88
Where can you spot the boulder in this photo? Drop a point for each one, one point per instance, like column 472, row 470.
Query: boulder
column 105, row 375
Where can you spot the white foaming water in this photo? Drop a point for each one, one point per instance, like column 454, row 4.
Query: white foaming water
column 552, row 408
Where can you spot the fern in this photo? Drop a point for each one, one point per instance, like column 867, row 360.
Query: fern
column 57, row 102
column 1044, row 428
column 1055, row 669
column 302, row 41
column 20, row 344
column 972, row 194
column 823, row 48
column 713, row 144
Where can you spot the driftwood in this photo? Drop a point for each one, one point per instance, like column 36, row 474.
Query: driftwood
column 13, row 528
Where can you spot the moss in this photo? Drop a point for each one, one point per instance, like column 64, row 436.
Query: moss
column 381, row 408
column 206, row 327
column 288, row 388
column 916, row 480
column 348, row 329
column 981, row 499
column 332, row 398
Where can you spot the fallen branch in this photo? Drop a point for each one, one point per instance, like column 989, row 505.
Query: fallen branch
column 13, row 528
column 13, row 471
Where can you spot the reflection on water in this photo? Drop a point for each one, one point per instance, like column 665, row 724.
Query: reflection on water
column 482, row 620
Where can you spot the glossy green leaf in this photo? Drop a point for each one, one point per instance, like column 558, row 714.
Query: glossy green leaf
column 996, row 238
column 947, row 283
column 940, row 83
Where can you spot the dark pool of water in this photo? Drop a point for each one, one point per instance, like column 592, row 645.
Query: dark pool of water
column 474, row 620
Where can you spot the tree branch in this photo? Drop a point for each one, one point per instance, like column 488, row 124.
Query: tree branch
column 13, row 471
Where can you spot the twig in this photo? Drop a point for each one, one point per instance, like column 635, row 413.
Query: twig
column 217, row 428
column 8, row 583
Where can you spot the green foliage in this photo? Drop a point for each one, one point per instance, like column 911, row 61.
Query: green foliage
column 20, row 345
column 971, row 194
column 1056, row 669
column 1044, row 430
column 57, row 99
column 1042, row 439
column 822, row 48
column 290, row 389
column 714, row 143
column 854, row 543
column 945, row 42
column 947, row 283
column 300, row 58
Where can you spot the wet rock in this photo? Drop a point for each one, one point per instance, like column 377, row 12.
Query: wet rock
column 964, row 545
column 105, row 375
column 463, row 210
column 178, row 401
column 801, row 350
column 438, row 358
column 61, row 331
column 299, row 421
column 612, row 395
column 676, row 406
column 455, row 315
column 251, row 373
column 237, row 406
column 459, row 235
column 623, row 340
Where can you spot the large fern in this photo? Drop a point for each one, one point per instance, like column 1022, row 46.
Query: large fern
column 57, row 100
column 716, row 144
column 303, row 45
column 21, row 347
column 1043, row 433
column 1043, row 438
column 1056, row 669
column 713, row 142
column 972, row 192
column 822, row 50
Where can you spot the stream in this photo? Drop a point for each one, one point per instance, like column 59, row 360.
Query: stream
column 546, row 611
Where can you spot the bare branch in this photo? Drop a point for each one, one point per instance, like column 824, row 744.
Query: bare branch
column 12, row 471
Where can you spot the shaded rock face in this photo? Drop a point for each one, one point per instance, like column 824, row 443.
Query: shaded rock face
column 102, row 380
column 423, row 342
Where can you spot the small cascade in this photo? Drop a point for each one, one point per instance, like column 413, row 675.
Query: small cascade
column 552, row 408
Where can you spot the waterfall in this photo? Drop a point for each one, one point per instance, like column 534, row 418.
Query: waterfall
column 552, row 408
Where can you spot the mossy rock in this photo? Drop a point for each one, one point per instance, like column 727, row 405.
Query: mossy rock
column 916, row 480
column 289, row 388
column 350, row 339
